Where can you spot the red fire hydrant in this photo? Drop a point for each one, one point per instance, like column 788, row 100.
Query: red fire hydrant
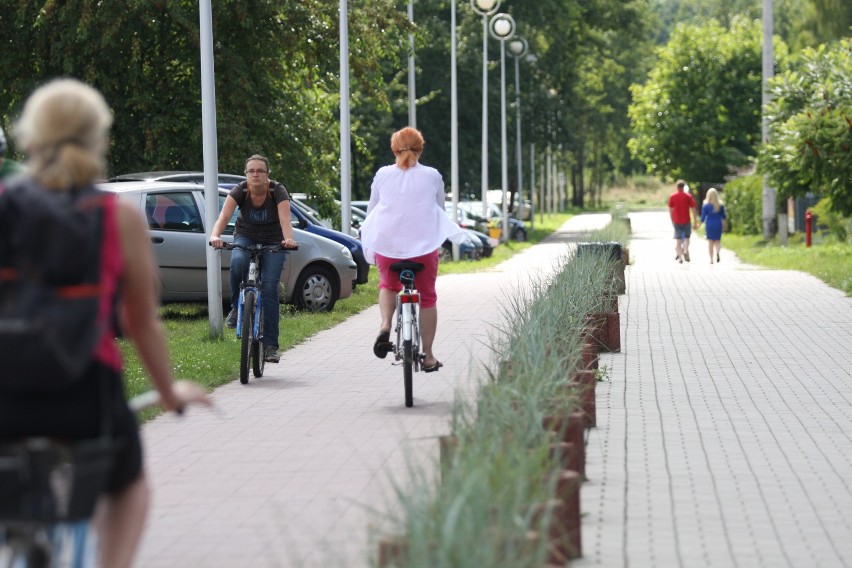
column 808, row 225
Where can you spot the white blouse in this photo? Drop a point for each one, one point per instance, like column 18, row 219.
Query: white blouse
column 406, row 216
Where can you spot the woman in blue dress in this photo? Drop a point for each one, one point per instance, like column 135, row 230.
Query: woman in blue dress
column 713, row 217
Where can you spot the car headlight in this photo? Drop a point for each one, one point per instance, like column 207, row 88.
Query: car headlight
column 345, row 252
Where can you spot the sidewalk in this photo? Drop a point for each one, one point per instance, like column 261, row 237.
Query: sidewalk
column 300, row 465
column 724, row 431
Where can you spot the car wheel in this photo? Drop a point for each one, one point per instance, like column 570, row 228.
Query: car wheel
column 519, row 235
column 446, row 254
column 316, row 290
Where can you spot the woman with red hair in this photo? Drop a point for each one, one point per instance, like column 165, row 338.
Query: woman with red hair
column 406, row 220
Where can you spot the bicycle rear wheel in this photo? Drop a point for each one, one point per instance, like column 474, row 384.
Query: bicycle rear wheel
column 258, row 358
column 246, row 339
column 408, row 356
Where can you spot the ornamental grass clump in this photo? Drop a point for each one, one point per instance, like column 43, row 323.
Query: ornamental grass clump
column 483, row 508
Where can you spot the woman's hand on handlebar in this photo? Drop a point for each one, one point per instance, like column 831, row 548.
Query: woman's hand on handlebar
column 217, row 242
column 289, row 244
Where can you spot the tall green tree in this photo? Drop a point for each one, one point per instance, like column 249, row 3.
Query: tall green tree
column 810, row 132
column 276, row 66
column 698, row 115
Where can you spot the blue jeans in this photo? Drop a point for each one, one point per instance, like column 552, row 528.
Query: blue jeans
column 271, row 265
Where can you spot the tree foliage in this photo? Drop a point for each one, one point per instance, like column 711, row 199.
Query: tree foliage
column 799, row 23
column 276, row 69
column 810, row 132
column 698, row 115
column 277, row 65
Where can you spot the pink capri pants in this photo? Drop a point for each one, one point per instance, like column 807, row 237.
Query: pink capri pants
column 424, row 280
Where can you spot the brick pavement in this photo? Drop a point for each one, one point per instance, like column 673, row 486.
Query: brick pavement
column 301, row 463
column 725, row 429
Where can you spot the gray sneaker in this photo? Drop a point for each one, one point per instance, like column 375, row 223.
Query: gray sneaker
column 231, row 319
column 270, row 354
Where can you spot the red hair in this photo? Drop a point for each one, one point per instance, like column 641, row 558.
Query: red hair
column 407, row 145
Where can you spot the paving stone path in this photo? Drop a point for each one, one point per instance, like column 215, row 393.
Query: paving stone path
column 299, row 466
column 725, row 429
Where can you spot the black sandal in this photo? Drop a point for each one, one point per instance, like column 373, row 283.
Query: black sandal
column 382, row 346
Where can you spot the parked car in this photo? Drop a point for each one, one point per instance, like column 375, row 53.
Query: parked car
column 470, row 216
column 488, row 244
column 307, row 222
column 225, row 181
column 314, row 277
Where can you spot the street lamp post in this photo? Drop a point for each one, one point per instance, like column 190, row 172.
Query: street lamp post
column 502, row 28
column 345, row 125
column 454, row 123
column 412, row 97
column 518, row 47
column 485, row 8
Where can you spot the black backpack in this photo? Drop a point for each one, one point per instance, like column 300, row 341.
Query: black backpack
column 50, row 249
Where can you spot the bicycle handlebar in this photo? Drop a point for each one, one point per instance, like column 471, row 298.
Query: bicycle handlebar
column 257, row 247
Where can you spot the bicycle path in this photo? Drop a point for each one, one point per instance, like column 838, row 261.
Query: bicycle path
column 724, row 431
column 300, row 468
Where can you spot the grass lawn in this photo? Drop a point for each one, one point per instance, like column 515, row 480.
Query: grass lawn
column 831, row 262
column 213, row 363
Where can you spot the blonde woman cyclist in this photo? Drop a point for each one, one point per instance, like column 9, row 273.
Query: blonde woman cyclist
column 64, row 133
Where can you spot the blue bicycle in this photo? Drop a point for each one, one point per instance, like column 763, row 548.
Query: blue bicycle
column 250, row 310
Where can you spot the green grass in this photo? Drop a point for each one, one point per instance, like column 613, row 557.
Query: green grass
column 829, row 261
column 213, row 363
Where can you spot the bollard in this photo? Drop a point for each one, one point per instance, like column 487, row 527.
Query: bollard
column 586, row 382
column 590, row 356
column 393, row 551
column 595, row 326
column 559, row 546
column 568, row 491
column 613, row 333
column 571, row 430
column 565, row 455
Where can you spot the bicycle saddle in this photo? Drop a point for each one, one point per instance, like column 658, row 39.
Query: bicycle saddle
column 406, row 265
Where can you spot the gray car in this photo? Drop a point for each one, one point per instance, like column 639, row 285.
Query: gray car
column 314, row 277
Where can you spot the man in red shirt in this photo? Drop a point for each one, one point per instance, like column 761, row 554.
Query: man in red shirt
column 681, row 204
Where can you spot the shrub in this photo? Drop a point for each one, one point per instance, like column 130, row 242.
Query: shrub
column 744, row 205
column 831, row 221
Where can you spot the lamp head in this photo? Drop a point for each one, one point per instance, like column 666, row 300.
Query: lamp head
column 517, row 47
column 485, row 7
column 502, row 27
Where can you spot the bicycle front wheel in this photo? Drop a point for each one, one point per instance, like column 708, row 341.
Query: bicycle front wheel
column 246, row 333
column 258, row 359
column 408, row 355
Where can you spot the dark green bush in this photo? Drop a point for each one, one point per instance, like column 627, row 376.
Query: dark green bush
column 744, row 205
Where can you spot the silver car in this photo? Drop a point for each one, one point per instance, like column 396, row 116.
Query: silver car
column 314, row 277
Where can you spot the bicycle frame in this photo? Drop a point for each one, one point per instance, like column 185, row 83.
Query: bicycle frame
column 407, row 304
column 251, row 284
column 407, row 346
column 251, row 348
